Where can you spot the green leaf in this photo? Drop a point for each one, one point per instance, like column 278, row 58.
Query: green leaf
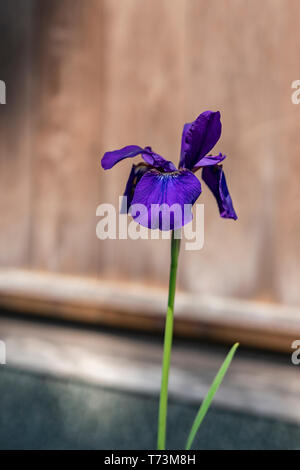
column 210, row 395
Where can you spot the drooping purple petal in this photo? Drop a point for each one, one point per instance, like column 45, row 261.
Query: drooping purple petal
column 209, row 160
column 157, row 161
column 198, row 138
column 137, row 171
column 214, row 177
column 164, row 200
column 109, row 159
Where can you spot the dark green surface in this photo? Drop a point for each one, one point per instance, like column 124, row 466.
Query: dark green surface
column 39, row 412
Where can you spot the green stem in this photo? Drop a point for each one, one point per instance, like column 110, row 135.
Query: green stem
column 163, row 402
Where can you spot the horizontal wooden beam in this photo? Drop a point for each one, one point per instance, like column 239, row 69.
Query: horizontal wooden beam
column 128, row 305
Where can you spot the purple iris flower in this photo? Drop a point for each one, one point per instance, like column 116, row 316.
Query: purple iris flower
column 158, row 186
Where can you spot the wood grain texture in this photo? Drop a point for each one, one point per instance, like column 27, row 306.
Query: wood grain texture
column 108, row 73
column 67, row 140
column 16, row 130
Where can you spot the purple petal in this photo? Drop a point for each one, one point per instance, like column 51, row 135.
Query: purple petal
column 137, row 171
column 209, row 160
column 214, row 177
column 164, row 200
column 109, row 159
column 198, row 138
column 157, row 161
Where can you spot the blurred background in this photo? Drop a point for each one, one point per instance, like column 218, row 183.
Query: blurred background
column 82, row 319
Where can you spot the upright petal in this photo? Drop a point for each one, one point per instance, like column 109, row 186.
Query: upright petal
column 109, row 159
column 165, row 199
column 137, row 171
column 157, row 161
column 198, row 138
column 214, row 177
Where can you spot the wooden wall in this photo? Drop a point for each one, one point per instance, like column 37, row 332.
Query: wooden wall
column 86, row 76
